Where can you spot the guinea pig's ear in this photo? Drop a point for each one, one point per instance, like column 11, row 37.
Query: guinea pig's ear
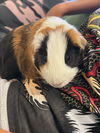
column 76, row 38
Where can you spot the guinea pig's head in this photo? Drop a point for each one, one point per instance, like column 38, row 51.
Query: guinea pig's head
column 51, row 48
column 57, row 51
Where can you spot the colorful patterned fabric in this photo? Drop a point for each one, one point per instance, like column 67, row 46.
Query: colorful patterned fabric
column 94, row 21
column 92, row 74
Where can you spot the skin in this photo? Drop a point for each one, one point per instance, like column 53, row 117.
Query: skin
column 74, row 7
column 4, row 131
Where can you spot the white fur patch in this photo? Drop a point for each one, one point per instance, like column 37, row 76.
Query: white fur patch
column 79, row 121
column 56, row 72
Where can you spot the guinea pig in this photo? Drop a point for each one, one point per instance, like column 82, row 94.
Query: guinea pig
column 51, row 49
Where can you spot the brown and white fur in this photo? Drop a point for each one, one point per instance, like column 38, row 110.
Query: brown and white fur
column 51, row 48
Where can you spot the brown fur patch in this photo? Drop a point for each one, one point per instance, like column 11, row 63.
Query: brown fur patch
column 76, row 38
column 46, row 30
column 60, row 27
column 23, row 49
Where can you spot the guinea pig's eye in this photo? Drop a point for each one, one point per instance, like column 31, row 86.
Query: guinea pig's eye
column 41, row 54
column 67, row 58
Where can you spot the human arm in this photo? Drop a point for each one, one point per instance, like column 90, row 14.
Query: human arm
column 73, row 7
